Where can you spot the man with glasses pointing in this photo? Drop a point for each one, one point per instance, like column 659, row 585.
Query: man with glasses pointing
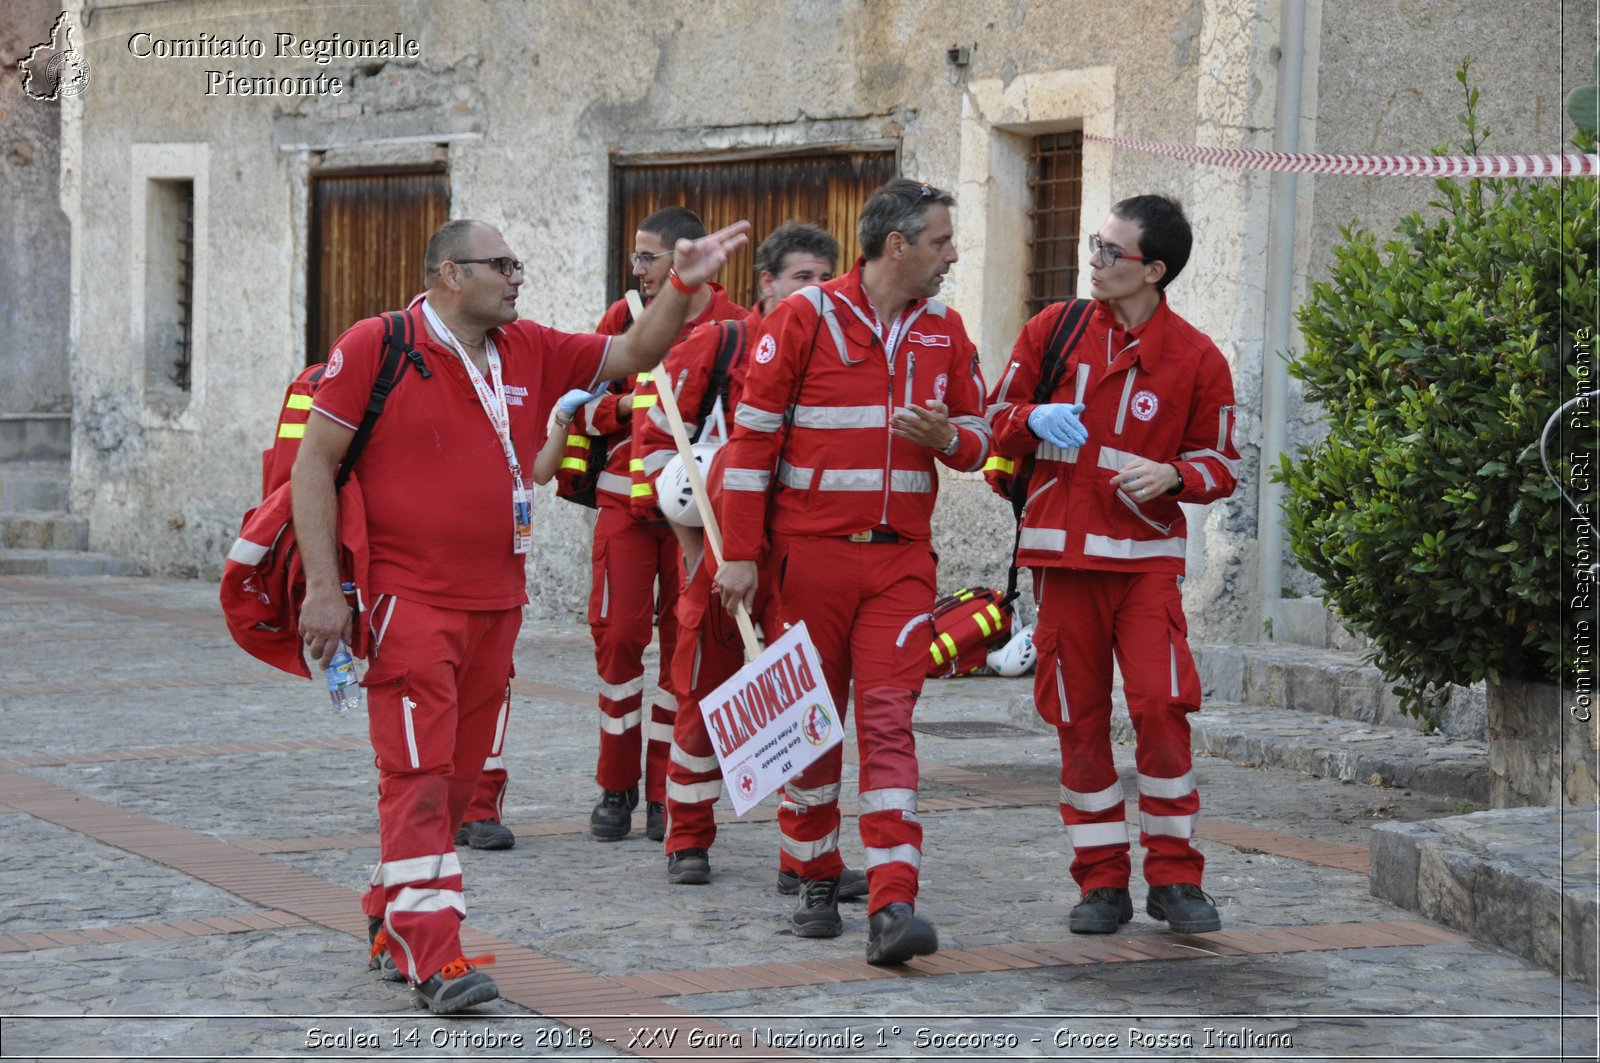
column 1140, row 420
column 448, row 531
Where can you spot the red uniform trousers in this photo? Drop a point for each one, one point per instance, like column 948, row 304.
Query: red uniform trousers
column 868, row 608
column 489, row 798
column 635, row 566
column 1086, row 617
column 434, row 691
column 708, row 653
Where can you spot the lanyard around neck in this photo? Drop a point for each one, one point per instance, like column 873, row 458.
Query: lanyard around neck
column 493, row 400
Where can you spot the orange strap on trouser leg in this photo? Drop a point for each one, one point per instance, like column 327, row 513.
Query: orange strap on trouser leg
column 630, row 558
column 866, row 607
column 1086, row 618
column 435, row 688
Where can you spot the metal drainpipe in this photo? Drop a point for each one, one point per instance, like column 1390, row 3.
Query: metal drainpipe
column 1280, row 311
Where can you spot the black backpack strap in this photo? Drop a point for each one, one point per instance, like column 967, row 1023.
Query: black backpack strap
column 397, row 352
column 1071, row 325
column 717, row 389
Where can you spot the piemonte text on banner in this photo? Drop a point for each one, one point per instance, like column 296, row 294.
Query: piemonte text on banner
column 772, row 719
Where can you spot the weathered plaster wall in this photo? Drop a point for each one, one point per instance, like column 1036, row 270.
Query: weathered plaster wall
column 34, row 262
column 528, row 101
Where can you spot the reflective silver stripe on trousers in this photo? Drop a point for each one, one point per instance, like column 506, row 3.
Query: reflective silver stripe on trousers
column 888, row 799
column 1052, row 540
column 899, row 854
column 746, row 479
column 415, row 900
column 699, row 765
column 616, row 725
column 1127, row 549
column 1098, row 801
column 694, row 793
column 1167, row 826
column 797, row 796
column 1061, row 693
column 1170, row 789
column 810, row 850
column 840, row 416
column 665, row 702
column 757, row 420
column 418, row 869
column 660, row 732
column 1172, row 662
column 1091, row 835
column 619, row 691
column 494, row 763
column 911, row 625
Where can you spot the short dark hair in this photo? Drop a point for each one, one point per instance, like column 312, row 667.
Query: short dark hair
column 794, row 237
column 673, row 224
column 452, row 242
column 897, row 207
column 1164, row 233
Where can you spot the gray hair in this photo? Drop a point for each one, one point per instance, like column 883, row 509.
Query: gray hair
column 897, row 207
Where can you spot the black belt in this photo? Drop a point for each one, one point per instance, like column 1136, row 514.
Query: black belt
column 876, row 535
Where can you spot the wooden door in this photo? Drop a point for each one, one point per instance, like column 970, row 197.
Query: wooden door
column 369, row 231
column 825, row 186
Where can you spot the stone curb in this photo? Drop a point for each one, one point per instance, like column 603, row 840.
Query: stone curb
column 1496, row 875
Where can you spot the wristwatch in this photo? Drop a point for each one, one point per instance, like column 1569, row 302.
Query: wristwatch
column 955, row 441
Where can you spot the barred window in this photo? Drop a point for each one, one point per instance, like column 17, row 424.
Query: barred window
column 1055, row 179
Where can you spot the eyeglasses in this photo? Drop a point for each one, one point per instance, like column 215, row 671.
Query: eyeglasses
column 1108, row 254
column 643, row 259
column 506, row 266
column 926, row 192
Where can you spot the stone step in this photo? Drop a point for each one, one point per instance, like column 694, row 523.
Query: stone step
column 14, row 562
column 35, row 485
column 1512, row 877
column 43, row 530
column 35, row 436
column 1327, row 682
column 1327, row 747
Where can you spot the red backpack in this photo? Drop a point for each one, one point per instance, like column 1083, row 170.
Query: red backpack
column 966, row 626
column 263, row 583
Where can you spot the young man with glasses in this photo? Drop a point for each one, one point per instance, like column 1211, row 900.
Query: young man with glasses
column 856, row 390
column 635, row 559
column 448, row 528
column 1141, row 419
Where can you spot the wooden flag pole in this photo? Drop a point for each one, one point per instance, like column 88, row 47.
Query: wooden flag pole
column 702, row 500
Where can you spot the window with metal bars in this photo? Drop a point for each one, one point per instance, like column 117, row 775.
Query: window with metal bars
column 1055, row 180
column 169, row 286
column 825, row 186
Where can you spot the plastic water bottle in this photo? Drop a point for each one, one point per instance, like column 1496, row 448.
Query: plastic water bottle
column 344, row 690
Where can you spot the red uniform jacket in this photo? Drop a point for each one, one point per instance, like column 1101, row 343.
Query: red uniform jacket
column 1163, row 392
column 689, row 366
column 812, row 429
column 599, row 418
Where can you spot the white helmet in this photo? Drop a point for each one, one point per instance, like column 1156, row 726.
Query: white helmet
column 673, row 493
column 1015, row 657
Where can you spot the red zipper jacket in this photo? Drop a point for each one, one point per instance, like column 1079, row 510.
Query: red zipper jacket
column 812, row 430
column 1160, row 391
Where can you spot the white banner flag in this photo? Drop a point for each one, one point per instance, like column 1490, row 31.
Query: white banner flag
column 772, row 720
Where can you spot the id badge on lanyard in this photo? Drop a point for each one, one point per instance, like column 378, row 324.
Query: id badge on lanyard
column 494, row 405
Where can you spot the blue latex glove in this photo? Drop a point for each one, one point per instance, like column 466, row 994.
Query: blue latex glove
column 1057, row 422
column 570, row 403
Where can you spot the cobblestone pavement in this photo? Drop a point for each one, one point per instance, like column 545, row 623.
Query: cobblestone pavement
column 187, row 833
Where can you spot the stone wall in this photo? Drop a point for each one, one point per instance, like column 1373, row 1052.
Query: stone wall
column 1543, row 746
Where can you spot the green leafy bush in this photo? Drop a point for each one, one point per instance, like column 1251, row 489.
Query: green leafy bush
column 1438, row 356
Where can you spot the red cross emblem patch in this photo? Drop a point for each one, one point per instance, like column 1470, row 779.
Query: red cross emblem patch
column 1144, row 405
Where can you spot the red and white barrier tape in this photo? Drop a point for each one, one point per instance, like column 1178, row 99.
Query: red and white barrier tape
column 1371, row 165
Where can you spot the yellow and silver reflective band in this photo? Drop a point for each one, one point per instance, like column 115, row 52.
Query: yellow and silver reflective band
column 576, row 440
column 576, row 464
column 1004, row 466
column 292, row 431
column 949, row 645
column 298, row 402
column 984, row 625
